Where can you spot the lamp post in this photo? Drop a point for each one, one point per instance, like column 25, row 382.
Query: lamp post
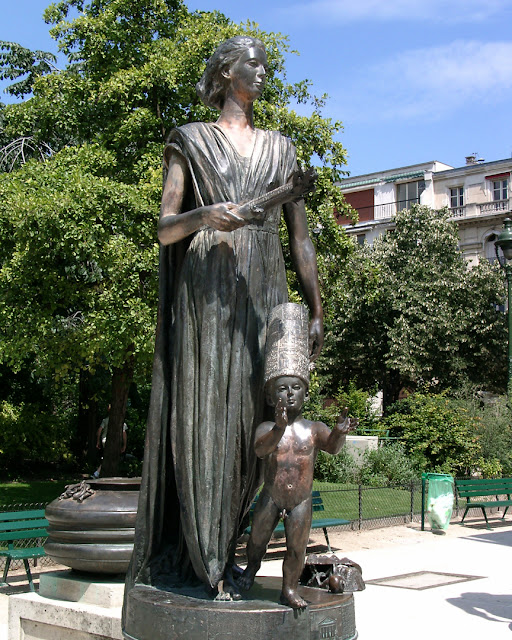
column 505, row 242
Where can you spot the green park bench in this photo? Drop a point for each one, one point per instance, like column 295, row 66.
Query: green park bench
column 476, row 491
column 19, row 526
column 317, row 523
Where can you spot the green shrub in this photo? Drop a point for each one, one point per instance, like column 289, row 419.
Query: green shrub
column 493, row 424
column 340, row 468
column 489, row 467
column 494, row 431
column 359, row 404
column 438, row 436
column 327, row 410
column 387, row 466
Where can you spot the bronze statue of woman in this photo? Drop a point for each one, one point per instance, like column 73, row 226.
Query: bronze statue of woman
column 221, row 272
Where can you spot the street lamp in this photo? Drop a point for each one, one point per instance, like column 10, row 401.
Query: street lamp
column 505, row 242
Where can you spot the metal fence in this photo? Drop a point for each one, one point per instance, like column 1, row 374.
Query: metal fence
column 372, row 507
column 365, row 508
column 376, row 507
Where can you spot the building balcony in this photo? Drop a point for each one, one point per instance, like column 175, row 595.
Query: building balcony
column 494, row 206
column 474, row 209
column 384, row 211
column 389, row 209
column 458, row 212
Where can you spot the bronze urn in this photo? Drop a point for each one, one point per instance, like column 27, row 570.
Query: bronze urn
column 92, row 525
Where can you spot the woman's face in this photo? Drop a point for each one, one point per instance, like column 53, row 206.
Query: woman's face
column 248, row 74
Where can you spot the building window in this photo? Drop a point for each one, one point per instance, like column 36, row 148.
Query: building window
column 409, row 193
column 500, row 189
column 361, row 237
column 456, row 197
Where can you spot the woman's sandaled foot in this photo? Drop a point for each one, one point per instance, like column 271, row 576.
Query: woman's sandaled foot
column 228, row 590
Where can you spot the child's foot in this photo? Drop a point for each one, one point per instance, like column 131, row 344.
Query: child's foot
column 291, row 598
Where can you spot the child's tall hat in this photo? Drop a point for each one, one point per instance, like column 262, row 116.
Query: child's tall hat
column 287, row 347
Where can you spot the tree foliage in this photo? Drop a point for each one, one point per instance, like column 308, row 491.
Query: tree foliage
column 77, row 284
column 19, row 62
column 78, row 232
column 420, row 315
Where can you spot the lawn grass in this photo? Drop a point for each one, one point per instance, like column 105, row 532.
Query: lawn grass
column 342, row 501
column 43, row 491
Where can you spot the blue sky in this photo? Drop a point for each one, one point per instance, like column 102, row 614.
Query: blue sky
column 411, row 81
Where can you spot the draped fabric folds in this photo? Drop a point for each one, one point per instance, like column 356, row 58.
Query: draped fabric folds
column 216, row 291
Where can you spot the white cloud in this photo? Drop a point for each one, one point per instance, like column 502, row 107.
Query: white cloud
column 430, row 82
column 410, row 10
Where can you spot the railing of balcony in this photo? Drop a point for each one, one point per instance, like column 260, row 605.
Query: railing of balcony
column 388, row 210
column 458, row 212
column 495, row 205
column 383, row 211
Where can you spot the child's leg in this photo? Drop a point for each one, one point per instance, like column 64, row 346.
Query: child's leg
column 265, row 519
column 297, row 526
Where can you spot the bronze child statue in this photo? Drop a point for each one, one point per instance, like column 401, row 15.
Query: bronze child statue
column 289, row 446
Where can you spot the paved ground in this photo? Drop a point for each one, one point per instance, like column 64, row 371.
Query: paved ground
column 473, row 609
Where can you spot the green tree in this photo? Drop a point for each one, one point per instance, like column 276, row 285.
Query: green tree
column 78, row 250
column 420, row 315
column 19, row 62
column 78, row 277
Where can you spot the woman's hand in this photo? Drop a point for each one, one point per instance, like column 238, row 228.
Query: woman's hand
column 223, row 216
column 316, row 337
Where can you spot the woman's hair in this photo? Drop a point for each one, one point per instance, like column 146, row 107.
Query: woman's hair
column 213, row 85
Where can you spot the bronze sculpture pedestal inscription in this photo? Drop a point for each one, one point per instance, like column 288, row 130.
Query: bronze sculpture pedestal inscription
column 160, row 615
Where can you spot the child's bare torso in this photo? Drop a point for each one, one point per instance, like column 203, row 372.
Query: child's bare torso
column 289, row 469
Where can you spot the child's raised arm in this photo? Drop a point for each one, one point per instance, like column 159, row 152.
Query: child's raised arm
column 332, row 441
column 268, row 434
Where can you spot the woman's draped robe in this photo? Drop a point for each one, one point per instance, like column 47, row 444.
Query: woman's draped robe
column 216, row 291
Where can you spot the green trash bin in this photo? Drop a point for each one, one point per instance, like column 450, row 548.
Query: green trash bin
column 439, row 503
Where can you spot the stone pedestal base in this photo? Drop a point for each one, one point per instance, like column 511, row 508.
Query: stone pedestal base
column 163, row 615
column 69, row 585
column 68, row 607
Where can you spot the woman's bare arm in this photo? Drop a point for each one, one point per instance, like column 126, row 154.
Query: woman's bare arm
column 174, row 225
column 304, row 259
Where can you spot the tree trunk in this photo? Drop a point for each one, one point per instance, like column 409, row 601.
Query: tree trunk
column 87, row 419
column 391, row 389
column 121, row 381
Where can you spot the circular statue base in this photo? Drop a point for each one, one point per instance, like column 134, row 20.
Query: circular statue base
column 152, row 614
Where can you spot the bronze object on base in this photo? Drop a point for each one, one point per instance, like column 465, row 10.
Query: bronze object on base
column 328, row 571
column 160, row 615
column 92, row 525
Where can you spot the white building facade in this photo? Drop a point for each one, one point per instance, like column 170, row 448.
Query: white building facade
column 477, row 196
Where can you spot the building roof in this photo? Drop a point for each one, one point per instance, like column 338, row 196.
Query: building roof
column 476, row 167
column 391, row 178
